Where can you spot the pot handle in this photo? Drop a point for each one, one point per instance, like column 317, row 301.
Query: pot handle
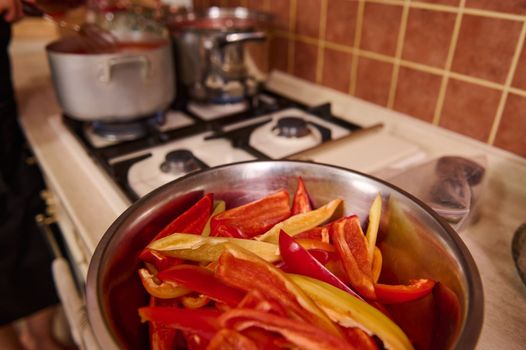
column 233, row 38
column 109, row 65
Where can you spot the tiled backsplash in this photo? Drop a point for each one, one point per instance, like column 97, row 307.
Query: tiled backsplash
column 459, row 64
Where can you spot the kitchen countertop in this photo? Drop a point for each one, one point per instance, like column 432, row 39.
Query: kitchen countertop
column 92, row 204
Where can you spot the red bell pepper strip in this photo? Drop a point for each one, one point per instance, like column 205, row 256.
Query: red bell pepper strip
column 246, row 271
column 300, row 261
column 360, row 339
column 224, row 230
column 303, row 335
column 193, row 220
column 320, row 233
column 301, row 202
column 203, row 281
column 396, row 294
column 255, row 217
column 202, row 322
column 162, row 338
column 158, row 260
column 351, row 245
column 228, row 339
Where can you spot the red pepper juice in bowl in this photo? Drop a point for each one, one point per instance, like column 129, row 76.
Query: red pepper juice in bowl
column 301, row 243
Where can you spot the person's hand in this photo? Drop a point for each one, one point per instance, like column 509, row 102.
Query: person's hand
column 11, row 9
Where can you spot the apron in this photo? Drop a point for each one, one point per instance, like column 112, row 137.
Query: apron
column 26, row 283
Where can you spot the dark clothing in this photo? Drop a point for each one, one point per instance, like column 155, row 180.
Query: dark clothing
column 26, row 283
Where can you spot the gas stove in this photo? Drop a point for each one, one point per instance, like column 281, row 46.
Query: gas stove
column 142, row 155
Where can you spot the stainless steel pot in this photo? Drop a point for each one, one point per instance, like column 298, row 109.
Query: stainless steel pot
column 128, row 84
column 210, row 52
column 417, row 243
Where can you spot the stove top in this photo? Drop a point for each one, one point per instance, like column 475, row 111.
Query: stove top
column 143, row 155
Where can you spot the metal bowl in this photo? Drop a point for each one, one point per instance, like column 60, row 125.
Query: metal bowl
column 415, row 243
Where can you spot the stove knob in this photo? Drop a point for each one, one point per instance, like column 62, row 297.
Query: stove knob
column 292, row 127
column 179, row 162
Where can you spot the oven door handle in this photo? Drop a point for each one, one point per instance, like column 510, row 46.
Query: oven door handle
column 72, row 303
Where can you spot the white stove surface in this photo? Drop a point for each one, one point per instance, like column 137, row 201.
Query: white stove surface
column 265, row 139
column 146, row 175
column 209, row 112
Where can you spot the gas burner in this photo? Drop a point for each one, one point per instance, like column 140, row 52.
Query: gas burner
column 181, row 162
column 292, row 127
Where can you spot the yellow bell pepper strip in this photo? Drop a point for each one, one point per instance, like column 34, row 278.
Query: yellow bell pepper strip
column 301, row 202
column 376, row 268
column 246, row 271
column 193, row 220
column 201, row 322
column 351, row 246
column 229, row 339
column 301, row 222
column 256, row 217
column 161, row 289
column 396, row 294
column 304, row 335
column 196, row 302
column 208, row 249
column 349, row 311
column 375, row 212
column 219, row 207
column 300, row 261
column 202, row 280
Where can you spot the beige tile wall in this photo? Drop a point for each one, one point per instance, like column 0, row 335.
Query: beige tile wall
column 459, row 64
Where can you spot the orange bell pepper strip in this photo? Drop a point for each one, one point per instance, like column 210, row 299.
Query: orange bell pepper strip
column 302, row 334
column 256, row 217
column 351, row 245
column 320, row 233
column 396, row 294
column 193, row 220
column 161, row 289
column 301, row 202
column 360, row 339
column 246, row 271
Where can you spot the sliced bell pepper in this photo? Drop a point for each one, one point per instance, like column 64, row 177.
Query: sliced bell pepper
column 303, row 335
column 203, row 281
column 396, row 294
column 163, row 289
column 256, row 217
column 162, row 338
column 244, row 270
column 320, row 233
column 228, row 339
column 375, row 212
column 196, row 302
column 359, row 339
column 158, row 260
column 309, row 244
column 301, row 202
column 300, row 261
column 224, row 230
column 219, row 207
column 376, row 268
column 351, row 245
column 301, row 222
column 349, row 311
column 193, row 220
column 208, row 249
column 202, row 322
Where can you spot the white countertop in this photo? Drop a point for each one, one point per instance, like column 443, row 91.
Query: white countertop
column 93, row 205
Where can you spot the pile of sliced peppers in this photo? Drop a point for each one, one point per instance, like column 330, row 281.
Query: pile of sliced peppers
column 271, row 274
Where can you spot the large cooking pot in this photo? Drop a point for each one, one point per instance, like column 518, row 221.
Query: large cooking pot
column 133, row 80
column 417, row 243
column 210, row 52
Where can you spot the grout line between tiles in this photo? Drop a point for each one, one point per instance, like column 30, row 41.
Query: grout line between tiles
column 292, row 29
column 398, row 54
column 449, row 62
column 507, row 84
column 321, row 41
column 454, row 9
column 354, row 50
